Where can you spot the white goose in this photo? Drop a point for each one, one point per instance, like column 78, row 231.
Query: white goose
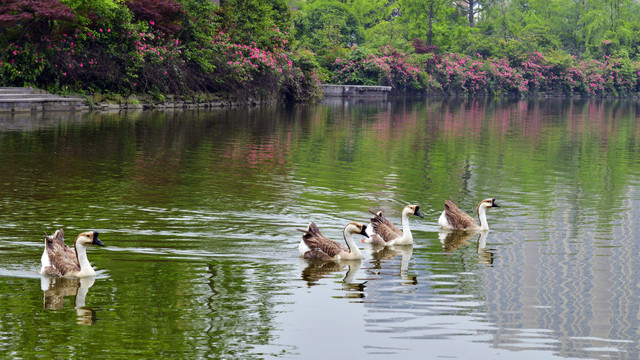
column 386, row 234
column 314, row 245
column 452, row 218
column 60, row 260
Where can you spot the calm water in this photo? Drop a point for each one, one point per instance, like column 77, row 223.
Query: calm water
column 198, row 211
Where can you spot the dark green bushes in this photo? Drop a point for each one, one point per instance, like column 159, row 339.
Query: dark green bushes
column 161, row 46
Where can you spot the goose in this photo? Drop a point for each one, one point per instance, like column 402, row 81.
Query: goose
column 314, row 245
column 453, row 218
column 385, row 233
column 60, row 260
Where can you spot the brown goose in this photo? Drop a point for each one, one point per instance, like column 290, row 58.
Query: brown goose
column 60, row 260
column 314, row 245
column 385, row 233
column 453, row 218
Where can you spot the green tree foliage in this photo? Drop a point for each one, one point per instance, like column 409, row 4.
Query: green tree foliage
column 328, row 28
column 253, row 21
column 165, row 15
column 164, row 46
column 20, row 17
column 266, row 47
column 427, row 19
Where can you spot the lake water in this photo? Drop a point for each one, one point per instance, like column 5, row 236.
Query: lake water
column 198, row 211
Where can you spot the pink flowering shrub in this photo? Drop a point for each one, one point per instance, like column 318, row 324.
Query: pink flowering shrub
column 262, row 72
column 158, row 49
column 387, row 67
column 461, row 75
column 21, row 65
column 124, row 60
column 504, row 79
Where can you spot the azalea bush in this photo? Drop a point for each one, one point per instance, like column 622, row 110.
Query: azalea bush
column 533, row 73
column 387, row 67
column 246, row 48
column 148, row 46
column 260, row 72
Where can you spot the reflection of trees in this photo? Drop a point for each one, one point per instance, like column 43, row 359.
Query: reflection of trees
column 258, row 164
column 239, row 308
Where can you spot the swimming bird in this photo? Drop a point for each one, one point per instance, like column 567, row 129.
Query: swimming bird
column 453, row 218
column 314, row 245
column 385, row 233
column 60, row 260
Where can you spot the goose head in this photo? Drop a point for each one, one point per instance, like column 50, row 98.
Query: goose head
column 89, row 238
column 412, row 210
column 356, row 228
column 488, row 203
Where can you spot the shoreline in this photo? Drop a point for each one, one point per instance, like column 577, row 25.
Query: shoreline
column 25, row 100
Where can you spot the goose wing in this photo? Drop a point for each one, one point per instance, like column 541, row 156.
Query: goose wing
column 62, row 258
column 383, row 227
column 58, row 237
column 457, row 218
column 320, row 247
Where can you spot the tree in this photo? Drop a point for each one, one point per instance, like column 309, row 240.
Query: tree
column 472, row 8
column 35, row 16
column 416, row 13
column 255, row 20
column 165, row 15
column 326, row 28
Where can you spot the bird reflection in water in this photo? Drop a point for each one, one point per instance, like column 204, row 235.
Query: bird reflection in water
column 380, row 254
column 452, row 240
column 55, row 289
column 317, row 270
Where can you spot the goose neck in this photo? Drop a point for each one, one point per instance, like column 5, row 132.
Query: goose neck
column 482, row 216
column 354, row 250
column 406, row 228
column 83, row 261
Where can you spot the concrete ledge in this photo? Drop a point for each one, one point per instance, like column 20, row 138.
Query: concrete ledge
column 364, row 91
column 22, row 100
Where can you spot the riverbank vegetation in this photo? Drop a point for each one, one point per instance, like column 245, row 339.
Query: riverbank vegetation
column 282, row 49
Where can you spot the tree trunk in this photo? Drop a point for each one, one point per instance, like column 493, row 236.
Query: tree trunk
column 471, row 17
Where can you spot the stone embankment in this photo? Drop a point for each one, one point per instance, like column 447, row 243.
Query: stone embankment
column 29, row 99
column 15, row 99
column 356, row 91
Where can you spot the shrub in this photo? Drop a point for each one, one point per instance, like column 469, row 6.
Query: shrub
column 387, row 67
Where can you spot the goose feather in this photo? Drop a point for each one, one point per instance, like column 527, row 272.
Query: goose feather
column 60, row 260
column 386, row 233
column 318, row 246
column 452, row 218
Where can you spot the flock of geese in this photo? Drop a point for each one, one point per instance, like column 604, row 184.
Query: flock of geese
column 381, row 231
column 59, row 260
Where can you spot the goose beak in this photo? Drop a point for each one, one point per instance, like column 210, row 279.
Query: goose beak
column 96, row 241
column 364, row 231
column 495, row 204
column 418, row 213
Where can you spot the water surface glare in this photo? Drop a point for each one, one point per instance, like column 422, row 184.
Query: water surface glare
column 198, row 211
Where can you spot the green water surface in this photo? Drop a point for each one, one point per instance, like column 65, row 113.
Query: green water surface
column 198, row 211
